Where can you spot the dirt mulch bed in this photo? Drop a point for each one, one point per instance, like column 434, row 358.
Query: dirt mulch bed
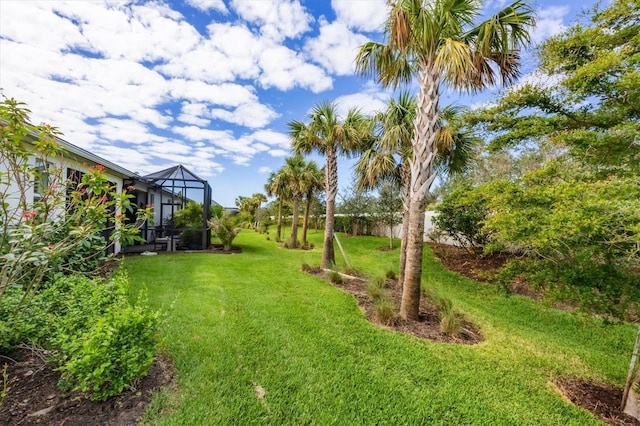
column 427, row 327
column 603, row 401
column 468, row 263
column 33, row 397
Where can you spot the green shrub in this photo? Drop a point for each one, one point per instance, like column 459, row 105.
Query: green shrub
column 99, row 341
column 461, row 216
column 117, row 348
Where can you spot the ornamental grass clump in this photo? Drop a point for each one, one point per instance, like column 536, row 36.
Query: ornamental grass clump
column 376, row 288
column 335, row 277
column 385, row 309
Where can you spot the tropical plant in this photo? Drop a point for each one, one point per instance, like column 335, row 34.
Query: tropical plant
column 437, row 42
column 224, row 226
column 331, row 136
column 277, row 186
column 312, row 183
column 386, row 160
column 298, row 175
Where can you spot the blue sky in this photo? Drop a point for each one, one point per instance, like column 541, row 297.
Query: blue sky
column 210, row 84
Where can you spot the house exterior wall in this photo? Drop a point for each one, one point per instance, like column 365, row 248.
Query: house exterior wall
column 61, row 164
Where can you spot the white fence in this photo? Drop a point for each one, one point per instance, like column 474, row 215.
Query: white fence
column 383, row 230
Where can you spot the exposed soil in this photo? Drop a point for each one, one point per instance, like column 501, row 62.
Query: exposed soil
column 33, row 397
column 428, row 325
column 603, row 401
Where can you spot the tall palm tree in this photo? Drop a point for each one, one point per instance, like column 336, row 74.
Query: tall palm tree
column 276, row 186
column 327, row 134
column 387, row 157
column 313, row 182
column 386, row 161
column 437, row 42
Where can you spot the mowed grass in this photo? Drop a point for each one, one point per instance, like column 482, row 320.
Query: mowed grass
column 256, row 341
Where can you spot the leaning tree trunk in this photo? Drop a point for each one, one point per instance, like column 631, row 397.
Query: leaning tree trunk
column 331, row 185
column 406, row 184
column 294, row 223
column 424, row 152
column 305, row 224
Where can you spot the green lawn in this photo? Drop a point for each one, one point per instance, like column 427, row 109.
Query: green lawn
column 241, row 322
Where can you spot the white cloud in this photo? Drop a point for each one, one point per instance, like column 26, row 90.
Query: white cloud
column 369, row 100
column 365, row 15
column 335, row 48
column 550, row 22
column 283, row 69
column 278, row 153
column 271, row 137
column 265, row 170
column 252, row 115
column 277, row 20
column 206, row 5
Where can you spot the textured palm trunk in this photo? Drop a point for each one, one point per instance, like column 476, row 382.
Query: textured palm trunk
column 305, row 224
column 294, row 223
column 424, row 152
column 279, row 229
column 331, row 185
column 406, row 185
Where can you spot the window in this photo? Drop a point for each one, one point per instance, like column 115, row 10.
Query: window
column 40, row 179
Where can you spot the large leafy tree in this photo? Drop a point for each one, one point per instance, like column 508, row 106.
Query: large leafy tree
column 585, row 235
column 587, row 99
column 330, row 135
column 437, row 42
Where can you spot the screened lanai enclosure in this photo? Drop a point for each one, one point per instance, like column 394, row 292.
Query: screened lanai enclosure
column 170, row 191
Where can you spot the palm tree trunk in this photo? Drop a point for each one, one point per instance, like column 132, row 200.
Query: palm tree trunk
column 424, row 152
column 294, row 223
column 279, row 230
column 331, row 185
column 305, row 224
column 406, row 185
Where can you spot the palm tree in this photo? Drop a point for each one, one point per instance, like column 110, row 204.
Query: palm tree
column 277, row 186
column 437, row 42
column 387, row 158
column 257, row 199
column 313, row 182
column 386, row 161
column 327, row 134
column 293, row 173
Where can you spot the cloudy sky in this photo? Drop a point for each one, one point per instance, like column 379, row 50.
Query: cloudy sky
column 210, row 84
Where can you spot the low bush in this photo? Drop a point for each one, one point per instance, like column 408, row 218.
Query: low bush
column 99, row 341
